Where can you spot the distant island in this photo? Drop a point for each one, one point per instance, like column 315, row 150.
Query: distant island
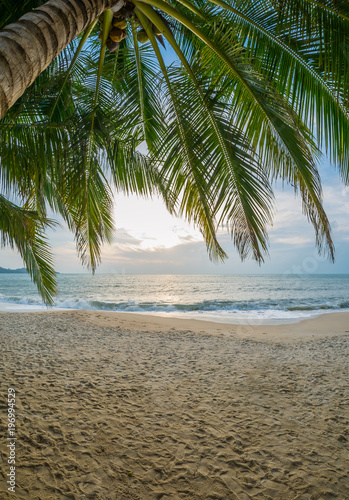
column 22, row 270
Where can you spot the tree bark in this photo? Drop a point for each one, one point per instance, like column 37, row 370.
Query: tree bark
column 29, row 45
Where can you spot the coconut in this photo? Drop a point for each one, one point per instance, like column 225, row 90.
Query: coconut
column 128, row 9
column 128, row 12
column 117, row 34
column 112, row 46
column 121, row 24
column 142, row 37
column 119, row 16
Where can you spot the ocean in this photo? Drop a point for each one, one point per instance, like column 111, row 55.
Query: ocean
column 222, row 298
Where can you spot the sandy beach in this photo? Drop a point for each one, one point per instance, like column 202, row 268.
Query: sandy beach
column 126, row 406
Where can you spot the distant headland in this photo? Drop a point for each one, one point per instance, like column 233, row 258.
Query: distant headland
column 21, row 270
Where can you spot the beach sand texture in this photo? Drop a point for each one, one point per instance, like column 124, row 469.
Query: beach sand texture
column 122, row 406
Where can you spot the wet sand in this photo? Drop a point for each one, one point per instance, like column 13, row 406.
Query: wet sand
column 126, row 406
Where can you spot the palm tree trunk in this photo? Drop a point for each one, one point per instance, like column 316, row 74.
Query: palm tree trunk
column 28, row 46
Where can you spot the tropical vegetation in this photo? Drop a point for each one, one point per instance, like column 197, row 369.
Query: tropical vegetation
column 228, row 96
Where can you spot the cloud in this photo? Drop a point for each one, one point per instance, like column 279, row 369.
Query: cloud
column 188, row 238
column 149, row 240
column 123, row 237
column 294, row 240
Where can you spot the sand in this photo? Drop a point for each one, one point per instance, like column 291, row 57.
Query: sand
column 122, row 406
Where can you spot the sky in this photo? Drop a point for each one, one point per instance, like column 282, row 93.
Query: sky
column 149, row 240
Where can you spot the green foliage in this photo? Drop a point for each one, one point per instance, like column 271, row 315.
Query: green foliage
column 24, row 230
column 256, row 91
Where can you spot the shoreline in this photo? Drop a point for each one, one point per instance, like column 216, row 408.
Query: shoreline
column 319, row 326
column 134, row 407
column 322, row 326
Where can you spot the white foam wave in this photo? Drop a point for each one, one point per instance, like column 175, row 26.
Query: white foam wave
column 227, row 315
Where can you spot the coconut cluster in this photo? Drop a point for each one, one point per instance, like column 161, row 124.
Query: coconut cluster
column 118, row 28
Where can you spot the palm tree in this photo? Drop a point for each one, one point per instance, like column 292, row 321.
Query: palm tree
column 253, row 92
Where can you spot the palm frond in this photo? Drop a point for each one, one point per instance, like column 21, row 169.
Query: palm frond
column 258, row 92
column 24, row 230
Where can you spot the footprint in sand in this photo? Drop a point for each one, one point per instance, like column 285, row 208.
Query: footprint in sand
column 180, row 452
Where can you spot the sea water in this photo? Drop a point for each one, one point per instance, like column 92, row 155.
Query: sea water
column 227, row 298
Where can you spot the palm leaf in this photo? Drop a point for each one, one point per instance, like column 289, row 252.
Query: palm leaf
column 24, row 230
